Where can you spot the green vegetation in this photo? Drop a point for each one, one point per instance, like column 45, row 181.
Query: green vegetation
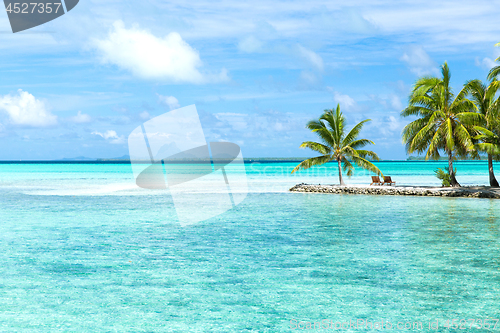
column 488, row 125
column 337, row 145
column 444, row 120
column 462, row 126
column 444, row 176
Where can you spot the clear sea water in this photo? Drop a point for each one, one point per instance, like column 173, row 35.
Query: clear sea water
column 84, row 250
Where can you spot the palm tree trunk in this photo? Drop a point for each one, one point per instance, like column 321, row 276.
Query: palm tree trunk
column 341, row 181
column 453, row 180
column 493, row 180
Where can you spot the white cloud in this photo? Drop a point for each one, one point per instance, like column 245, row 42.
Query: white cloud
column 237, row 121
column 144, row 115
column 437, row 24
column 25, row 109
column 250, row 45
column 313, row 58
column 396, row 102
column 81, row 118
column 395, row 124
column 110, row 136
column 346, row 102
column 107, row 135
column 255, row 125
column 486, row 63
column 169, row 101
column 169, row 58
column 419, row 61
column 389, row 126
column 308, row 79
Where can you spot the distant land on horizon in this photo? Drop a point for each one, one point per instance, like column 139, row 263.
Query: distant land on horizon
column 126, row 159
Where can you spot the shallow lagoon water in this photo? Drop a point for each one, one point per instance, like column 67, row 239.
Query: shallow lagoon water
column 83, row 250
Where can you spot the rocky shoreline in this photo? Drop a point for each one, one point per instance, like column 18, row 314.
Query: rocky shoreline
column 469, row 192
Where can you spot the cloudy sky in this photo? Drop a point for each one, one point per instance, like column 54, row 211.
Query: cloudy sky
column 257, row 71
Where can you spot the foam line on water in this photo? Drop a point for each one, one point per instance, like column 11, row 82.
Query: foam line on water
column 111, row 189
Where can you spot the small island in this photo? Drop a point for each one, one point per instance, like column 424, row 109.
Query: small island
column 466, row 125
column 466, row 191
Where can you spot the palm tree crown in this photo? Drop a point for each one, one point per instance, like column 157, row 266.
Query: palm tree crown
column 444, row 120
column 337, row 145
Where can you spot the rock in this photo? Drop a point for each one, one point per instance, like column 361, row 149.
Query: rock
column 378, row 190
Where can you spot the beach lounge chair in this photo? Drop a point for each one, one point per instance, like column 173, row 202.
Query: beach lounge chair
column 388, row 180
column 376, row 180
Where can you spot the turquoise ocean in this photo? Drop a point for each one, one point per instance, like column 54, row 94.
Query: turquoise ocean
column 82, row 249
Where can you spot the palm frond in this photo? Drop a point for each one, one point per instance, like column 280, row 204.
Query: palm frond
column 360, row 143
column 347, row 166
column 484, row 132
column 463, row 137
column 320, row 129
column 320, row 148
column 365, row 164
column 470, row 118
column 320, row 160
column 422, row 138
column 494, row 72
column 414, row 110
column 435, row 143
column 315, row 125
column 336, row 123
column 489, row 148
column 368, row 153
column 354, row 132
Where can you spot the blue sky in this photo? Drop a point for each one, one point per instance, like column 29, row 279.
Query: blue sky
column 257, row 71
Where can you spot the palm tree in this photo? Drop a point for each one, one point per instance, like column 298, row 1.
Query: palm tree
column 488, row 128
column 495, row 71
column 338, row 146
column 444, row 120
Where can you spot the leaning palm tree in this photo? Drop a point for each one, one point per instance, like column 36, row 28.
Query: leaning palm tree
column 338, row 146
column 444, row 122
column 495, row 71
column 488, row 127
